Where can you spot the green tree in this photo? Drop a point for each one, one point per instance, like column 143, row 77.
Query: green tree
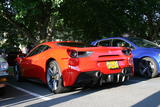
column 34, row 20
column 95, row 18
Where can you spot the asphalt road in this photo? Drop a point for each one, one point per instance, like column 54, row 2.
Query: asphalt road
column 137, row 92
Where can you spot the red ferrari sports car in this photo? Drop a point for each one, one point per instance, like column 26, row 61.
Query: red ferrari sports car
column 64, row 64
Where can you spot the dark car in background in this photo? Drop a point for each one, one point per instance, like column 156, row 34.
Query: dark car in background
column 12, row 55
column 2, row 53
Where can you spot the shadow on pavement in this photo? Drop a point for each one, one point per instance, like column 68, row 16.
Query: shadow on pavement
column 81, row 93
column 17, row 97
column 151, row 101
column 12, row 95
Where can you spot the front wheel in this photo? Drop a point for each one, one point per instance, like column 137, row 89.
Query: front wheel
column 148, row 67
column 54, row 77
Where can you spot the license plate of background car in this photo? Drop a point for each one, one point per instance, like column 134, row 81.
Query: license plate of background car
column 112, row 64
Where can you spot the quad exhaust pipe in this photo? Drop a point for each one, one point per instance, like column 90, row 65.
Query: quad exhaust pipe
column 121, row 77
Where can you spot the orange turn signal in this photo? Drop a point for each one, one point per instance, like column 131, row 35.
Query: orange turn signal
column 3, row 79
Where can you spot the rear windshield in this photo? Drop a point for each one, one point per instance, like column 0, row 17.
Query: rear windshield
column 74, row 44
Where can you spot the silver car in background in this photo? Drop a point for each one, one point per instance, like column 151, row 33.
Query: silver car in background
column 3, row 72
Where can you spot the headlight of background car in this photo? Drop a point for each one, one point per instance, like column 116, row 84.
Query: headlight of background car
column 3, row 66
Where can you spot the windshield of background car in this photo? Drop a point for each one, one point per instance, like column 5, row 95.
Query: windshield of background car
column 143, row 43
column 74, row 44
column 13, row 50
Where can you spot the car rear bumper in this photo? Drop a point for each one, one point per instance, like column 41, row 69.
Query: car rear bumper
column 97, row 77
column 85, row 78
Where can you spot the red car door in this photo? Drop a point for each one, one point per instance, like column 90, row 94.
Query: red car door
column 38, row 62
column 27, row 63
column 32, row 63
column 25, row 66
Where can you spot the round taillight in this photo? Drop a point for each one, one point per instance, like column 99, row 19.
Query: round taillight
column 127, row 51
column 72, row 53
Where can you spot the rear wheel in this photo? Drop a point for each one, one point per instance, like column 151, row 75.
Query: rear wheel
column 148, row 67
column 54, row 78
column 2, row 91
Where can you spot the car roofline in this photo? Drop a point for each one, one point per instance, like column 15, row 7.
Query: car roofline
column 122, row 38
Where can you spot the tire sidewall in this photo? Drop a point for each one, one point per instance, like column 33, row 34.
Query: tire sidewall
column 155, row 71
column 60, row 81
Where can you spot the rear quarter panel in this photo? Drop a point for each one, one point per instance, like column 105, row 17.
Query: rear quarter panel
column 56, row 54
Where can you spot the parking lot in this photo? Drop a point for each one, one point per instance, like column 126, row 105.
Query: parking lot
column 137, row 92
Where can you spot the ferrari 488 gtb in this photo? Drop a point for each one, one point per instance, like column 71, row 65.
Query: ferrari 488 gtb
column 64, row 64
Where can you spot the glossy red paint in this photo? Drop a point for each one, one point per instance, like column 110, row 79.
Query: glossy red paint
column 34, row 64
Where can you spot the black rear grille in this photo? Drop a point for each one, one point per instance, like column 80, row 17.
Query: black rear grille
column 107, row 56
column 128, row 70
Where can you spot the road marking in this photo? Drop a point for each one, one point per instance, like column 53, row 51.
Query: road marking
column 31, row 93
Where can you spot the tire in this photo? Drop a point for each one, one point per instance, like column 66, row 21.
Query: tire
column 2, row 91
column 17, row 73
column 54, row 78
column 148, row 67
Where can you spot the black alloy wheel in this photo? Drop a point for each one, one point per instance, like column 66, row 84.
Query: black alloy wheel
column 148, row 67
column 54, row 77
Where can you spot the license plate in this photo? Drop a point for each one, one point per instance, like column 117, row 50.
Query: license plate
column 112, row 64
